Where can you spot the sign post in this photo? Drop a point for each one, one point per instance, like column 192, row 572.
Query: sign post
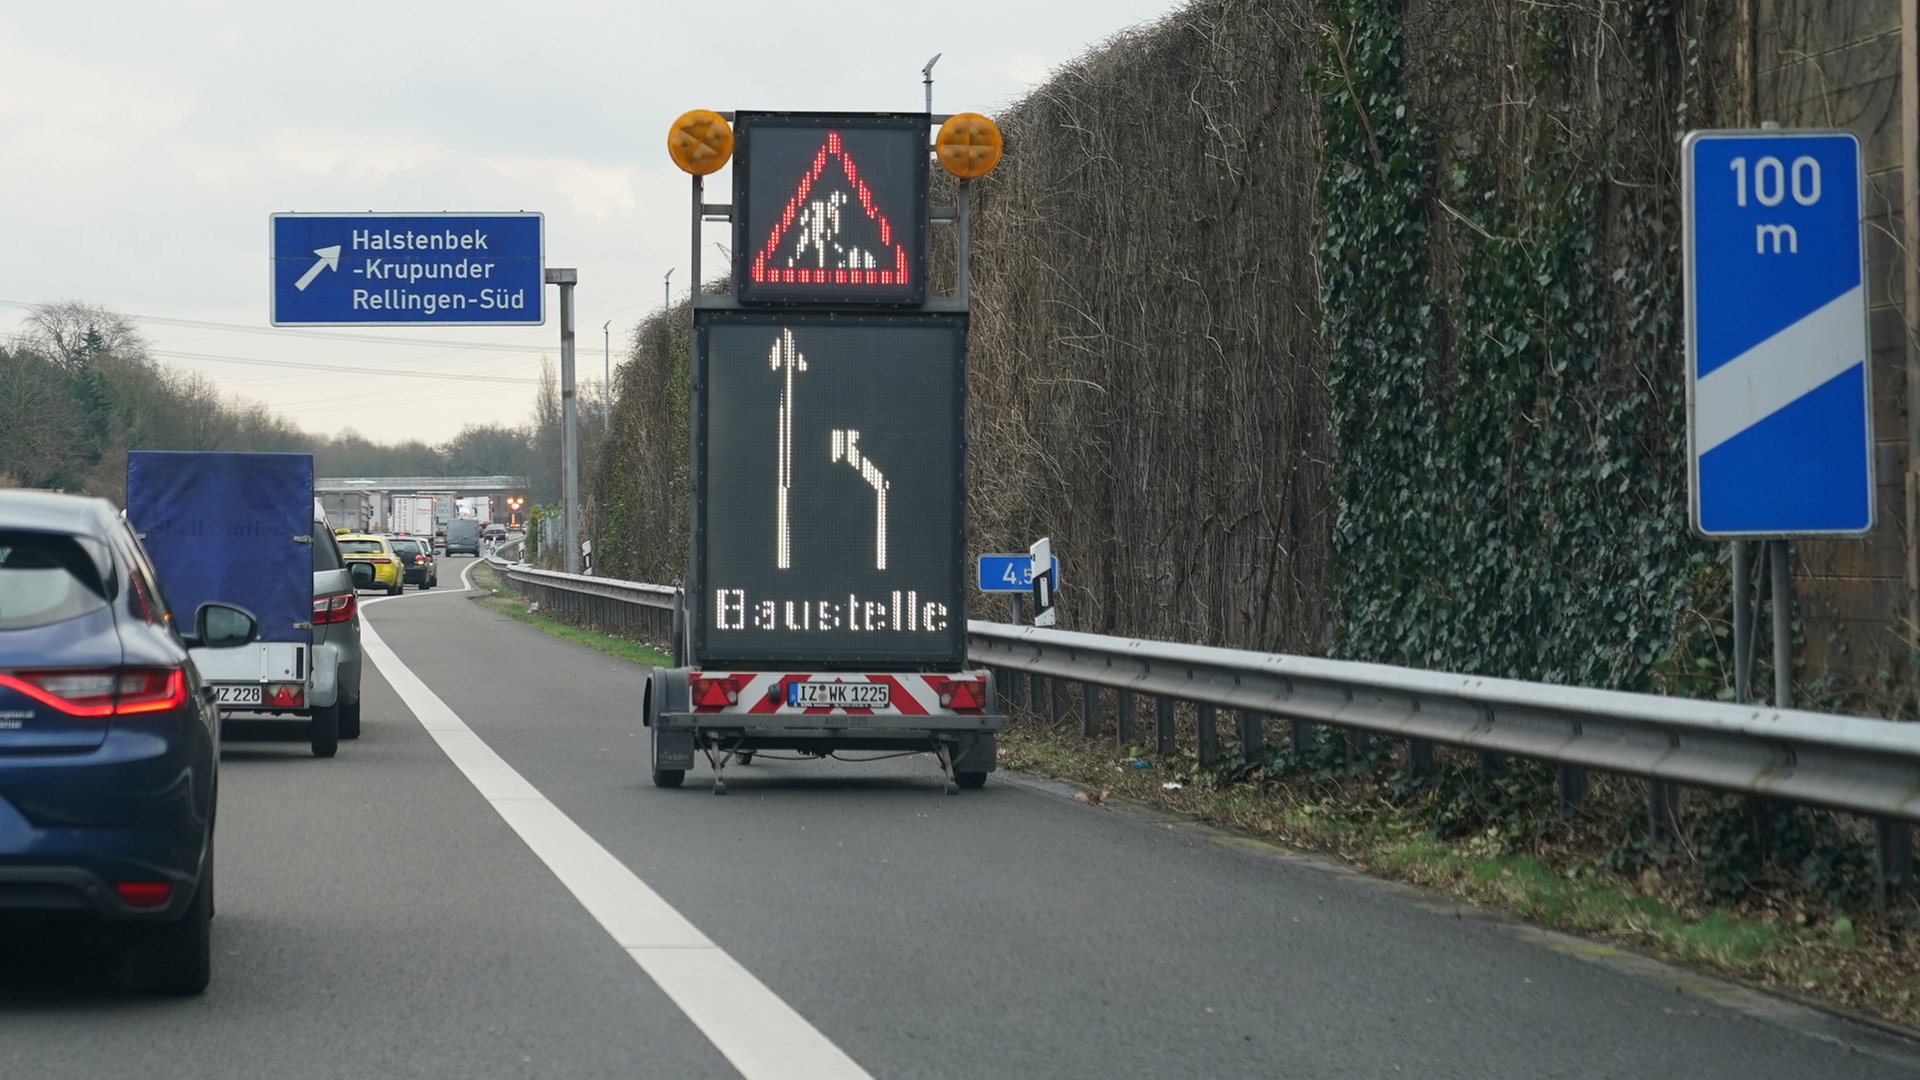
column 1779, row 413
column 1042, row 569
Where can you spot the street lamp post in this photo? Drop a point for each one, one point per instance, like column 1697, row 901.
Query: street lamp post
column 606, row 375
column 567, row 278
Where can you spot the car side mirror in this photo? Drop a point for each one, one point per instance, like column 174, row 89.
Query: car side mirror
column 362, row 574
column 222, row 626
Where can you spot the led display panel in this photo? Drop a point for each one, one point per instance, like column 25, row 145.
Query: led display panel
column 828, row 491
column 830, row 209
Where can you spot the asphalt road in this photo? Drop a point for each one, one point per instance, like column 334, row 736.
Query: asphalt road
column 380, row 915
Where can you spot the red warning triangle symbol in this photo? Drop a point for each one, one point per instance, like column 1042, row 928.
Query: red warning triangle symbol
column 809, row 244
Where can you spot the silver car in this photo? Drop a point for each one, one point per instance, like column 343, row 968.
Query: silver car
column 336, row 619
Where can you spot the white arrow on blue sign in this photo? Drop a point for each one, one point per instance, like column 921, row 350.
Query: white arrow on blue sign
column 1779, row 412
column 407, row 269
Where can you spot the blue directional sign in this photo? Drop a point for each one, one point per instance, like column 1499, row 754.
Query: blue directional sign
column 1011, row 573
column 407, row 269
column 1779, row 418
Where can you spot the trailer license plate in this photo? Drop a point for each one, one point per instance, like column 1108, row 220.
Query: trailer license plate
column 237, row 695
column 838, row 695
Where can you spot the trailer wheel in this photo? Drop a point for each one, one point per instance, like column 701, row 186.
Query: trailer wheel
column 974, row 780
column 669, row 778
column 324, row 731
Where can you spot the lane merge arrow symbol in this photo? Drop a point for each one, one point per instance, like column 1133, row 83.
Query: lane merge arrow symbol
column 329, row 260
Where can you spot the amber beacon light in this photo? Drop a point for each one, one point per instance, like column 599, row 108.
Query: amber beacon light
column 700, row 142
column 968, row 146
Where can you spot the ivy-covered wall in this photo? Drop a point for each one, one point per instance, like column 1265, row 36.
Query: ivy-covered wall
column 1502, row 312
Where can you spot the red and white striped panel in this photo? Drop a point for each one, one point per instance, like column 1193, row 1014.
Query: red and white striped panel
column 764, row 693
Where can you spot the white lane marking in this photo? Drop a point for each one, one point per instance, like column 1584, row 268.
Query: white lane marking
column 1779, row 371
column 759, row 1033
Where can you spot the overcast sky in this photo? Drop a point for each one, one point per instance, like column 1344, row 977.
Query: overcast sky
column 143, row 146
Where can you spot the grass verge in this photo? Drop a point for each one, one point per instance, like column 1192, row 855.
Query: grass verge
column 501, row 597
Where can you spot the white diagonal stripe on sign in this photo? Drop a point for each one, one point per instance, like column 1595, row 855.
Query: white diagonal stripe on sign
column 1779, row 371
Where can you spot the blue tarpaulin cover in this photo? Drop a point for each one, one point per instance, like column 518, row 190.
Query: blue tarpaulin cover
column 221, row 526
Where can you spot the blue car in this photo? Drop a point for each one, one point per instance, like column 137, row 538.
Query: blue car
column 109, row 746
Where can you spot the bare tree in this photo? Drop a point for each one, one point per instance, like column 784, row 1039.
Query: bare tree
column 72, row 333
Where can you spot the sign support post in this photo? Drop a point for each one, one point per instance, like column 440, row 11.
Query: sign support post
column 1779, row 393
column 567, row 278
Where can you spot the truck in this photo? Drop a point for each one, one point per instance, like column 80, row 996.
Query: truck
column 824, row 608
column 477, row 507
column 355, row 511
column 243, row 527
column 412, row 516
column 443, row 512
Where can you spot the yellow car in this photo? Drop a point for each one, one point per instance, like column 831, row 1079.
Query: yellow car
column 377, row 553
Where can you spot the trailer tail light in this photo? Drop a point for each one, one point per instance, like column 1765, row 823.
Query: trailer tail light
column 103, row 693
column 333, row 609
column 963, row 694
column 716, row 691
column 284, row 696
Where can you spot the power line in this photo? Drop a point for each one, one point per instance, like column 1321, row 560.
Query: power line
column 340, row 368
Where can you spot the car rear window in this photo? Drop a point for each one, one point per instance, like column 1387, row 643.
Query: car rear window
column 405, row 547
column 46, row 579
column 362, row 547
column 326, row 554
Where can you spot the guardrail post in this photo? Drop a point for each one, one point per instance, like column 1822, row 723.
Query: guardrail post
column 1358, row 743
column 1892, row 858
column 1036, row 690
column 1163, row 726
column 1253, row 735
column 1663, row 810
column 1209, row 739
column 1573, row 788
column 1015, row 681
column 1089, row 708
column 1059, row 700
column 1419, row 759
column 1302, row 739
column 1123, row 718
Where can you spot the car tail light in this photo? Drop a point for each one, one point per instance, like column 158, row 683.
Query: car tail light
column 100, row 693
column 420, row 560
column 144, row 894
column 332, row 609
column 715, row 692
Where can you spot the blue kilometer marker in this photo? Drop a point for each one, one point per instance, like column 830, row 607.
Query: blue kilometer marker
column 1778, row 409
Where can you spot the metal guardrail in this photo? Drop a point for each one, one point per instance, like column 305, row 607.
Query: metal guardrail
column 1856, row 765
column 628, row 608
